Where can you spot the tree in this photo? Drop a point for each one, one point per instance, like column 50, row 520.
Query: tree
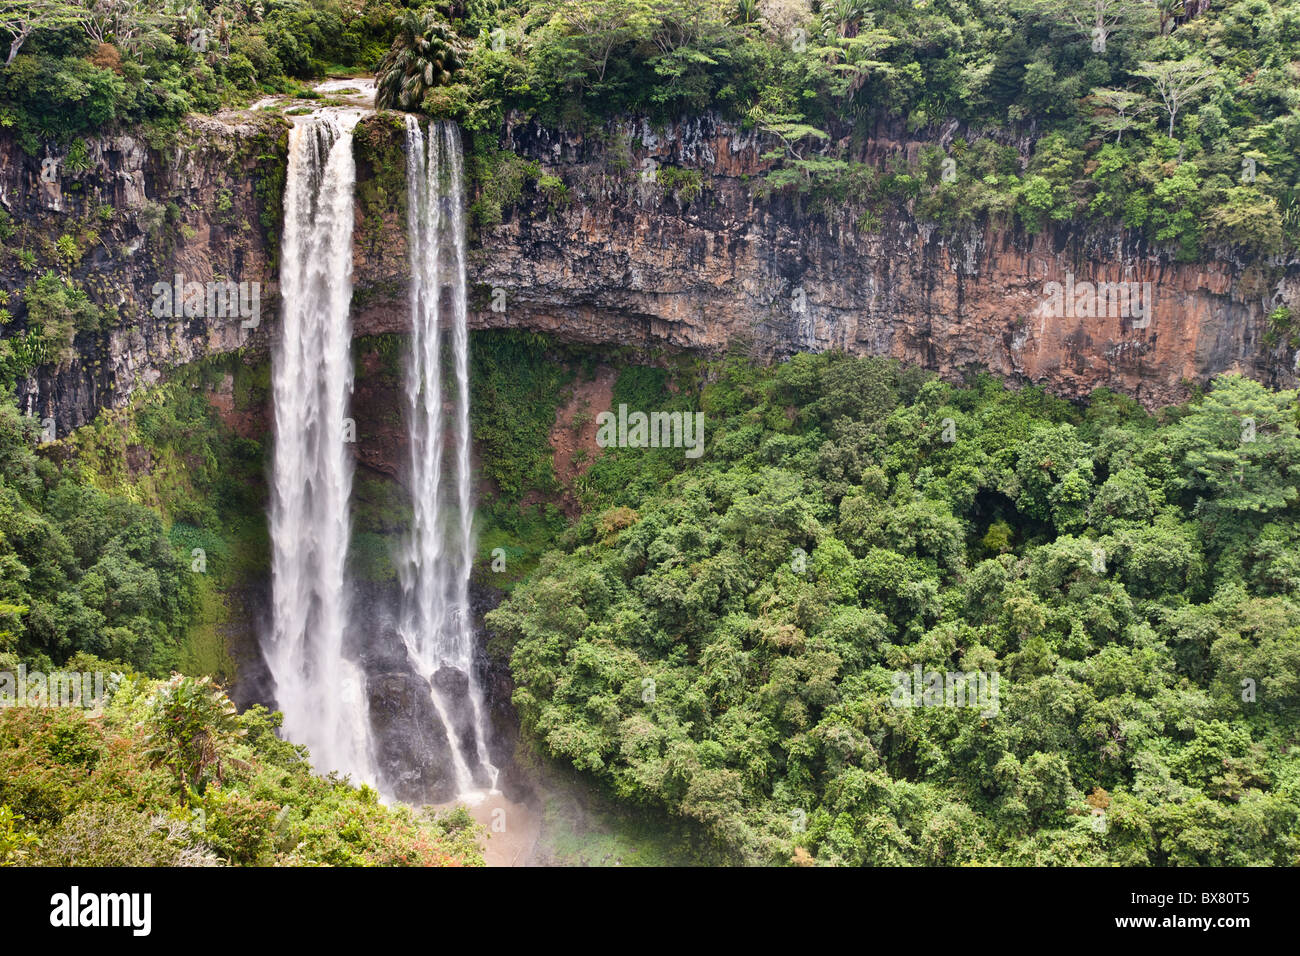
column 22, row 18
column 746, row 11
column 1168, row 10
column 123, row 23
column 192, row 723
column 594, row 29
column 1247, row 218
column 791, row 132
column 1125, row 107
column 1094, row 18
column 842, row 17
column 1177, row 81
column 108, row 20
column 1176, row 212
column 1239, row 450
column 425, row 53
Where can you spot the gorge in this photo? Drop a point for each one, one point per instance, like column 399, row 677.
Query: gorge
column 544, row 431
column 625, row 263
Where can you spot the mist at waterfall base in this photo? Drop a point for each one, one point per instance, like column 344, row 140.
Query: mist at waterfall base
column 378, row 685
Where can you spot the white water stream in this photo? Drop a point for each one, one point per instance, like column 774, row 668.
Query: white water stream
column 436, row 623
column 317, row 685
column 310, row 651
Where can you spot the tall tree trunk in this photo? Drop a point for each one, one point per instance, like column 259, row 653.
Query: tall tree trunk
column 16, row 45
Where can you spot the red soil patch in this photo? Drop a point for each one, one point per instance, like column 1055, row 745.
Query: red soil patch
column 573, row 436
column 246, row 424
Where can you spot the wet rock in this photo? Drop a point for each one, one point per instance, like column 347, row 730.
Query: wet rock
column 412, row 749
column 451, row 682
column 452, row 687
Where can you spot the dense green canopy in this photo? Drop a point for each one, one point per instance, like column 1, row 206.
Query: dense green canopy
column 1182, row 125
column 726, row 644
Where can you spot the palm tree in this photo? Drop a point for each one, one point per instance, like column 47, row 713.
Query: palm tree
column 843, row 17
column 1168, row 10
column 425, row 53
column 746, row 12
column 192, row 724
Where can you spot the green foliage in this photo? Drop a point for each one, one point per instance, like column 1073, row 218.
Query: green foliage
column 99, row 553
column 724, row 642
column 191, row 727
column 555, row 191
column 620, row 476
column 57, row 310
column 105, row 66
column 381, row 184
column 425, row 54
column 1281, row 328
column 15, row 844
column 685, row 184
column 500, row 177
column 94, row 573
column 83, row 791
column 517, row 390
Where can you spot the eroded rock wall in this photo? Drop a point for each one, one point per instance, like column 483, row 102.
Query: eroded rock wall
column 134, row 215
column 626, row 260
column 616, row 257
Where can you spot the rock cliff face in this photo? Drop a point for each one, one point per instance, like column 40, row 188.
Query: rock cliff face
column 605, row 253
column 626, row 260
column 129, row 216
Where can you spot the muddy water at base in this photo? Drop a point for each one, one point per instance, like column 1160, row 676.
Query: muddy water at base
column 512, row 830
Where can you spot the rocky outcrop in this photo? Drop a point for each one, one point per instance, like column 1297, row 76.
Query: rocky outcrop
column 124, row 215
column 453, row 689
column 612, row 252
column 626, row 260
column 411, row 747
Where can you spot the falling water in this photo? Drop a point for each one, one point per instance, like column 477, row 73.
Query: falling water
column 436, row 625
column 318, row 685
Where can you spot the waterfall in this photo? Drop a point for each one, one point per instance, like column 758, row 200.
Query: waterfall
column 413, row 723
column 436, row 624
column 318, row 685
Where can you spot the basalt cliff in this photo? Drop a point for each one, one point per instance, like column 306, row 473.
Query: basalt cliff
column 597, row 247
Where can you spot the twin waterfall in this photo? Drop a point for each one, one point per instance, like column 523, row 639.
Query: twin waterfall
column 316, row 642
